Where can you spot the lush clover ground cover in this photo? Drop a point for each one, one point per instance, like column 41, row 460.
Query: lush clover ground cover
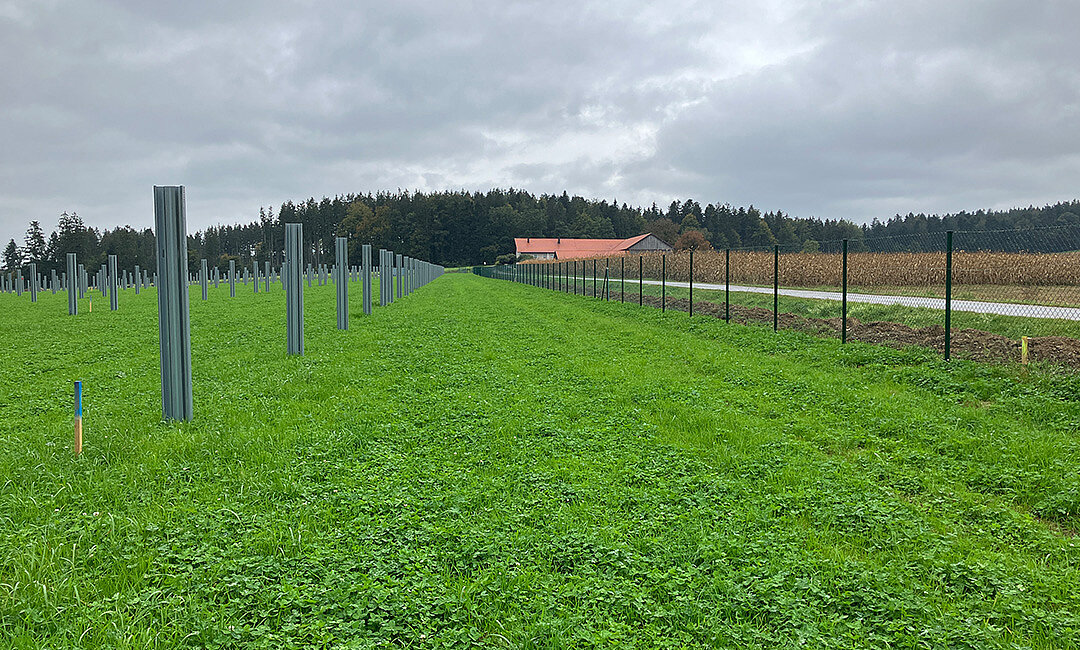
column 489, row 464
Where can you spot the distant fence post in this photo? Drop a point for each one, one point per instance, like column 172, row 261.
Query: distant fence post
column 776, row 287
column 53, row 282
column 232, row 278
column 640, row 280
column 170, row 218
column 294, row 288
column 366, row 263
column 691, row 281
column 72, row 285
column 843, row 294
column 203, row 279
column 663, row 283
column 727, row 285
column 267, row 277
column 138, row 279
column 594, row 277
column 114, row 285
column 622, row 279
column 341, row 245
column 255, row 274
column 948, row 293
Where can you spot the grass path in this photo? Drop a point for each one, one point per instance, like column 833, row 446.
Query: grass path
column 488, row 464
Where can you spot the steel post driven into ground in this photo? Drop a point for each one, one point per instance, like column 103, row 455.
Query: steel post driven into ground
column 948, row 293
column 776, row 288
column 114, row 285
column 267, row 277
column 594, row 278
column 622, row 279
column 72, row 285
column 691, row 282
column 843, row 292
column 203, row 279
column 663, row 283
column 34, row 281
column 293, row 276
column 170, row 220
column 232, row 278
column 640, row 280
column 341, row 249
column 365, row 262
column 255, row 274
column 400, row 275
column 727, row 285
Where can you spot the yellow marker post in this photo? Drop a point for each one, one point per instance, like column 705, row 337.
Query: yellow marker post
column 1024, row 350
column 78, row 418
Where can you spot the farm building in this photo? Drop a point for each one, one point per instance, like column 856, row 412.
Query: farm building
column 563, row 248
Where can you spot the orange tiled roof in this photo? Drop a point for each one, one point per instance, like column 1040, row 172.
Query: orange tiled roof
column 566, row 248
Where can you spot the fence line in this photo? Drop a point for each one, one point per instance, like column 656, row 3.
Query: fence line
column 978, row 293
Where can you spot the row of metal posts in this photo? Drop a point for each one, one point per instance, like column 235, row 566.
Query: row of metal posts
column 558, row 278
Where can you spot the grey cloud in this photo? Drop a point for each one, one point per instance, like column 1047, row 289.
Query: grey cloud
column 830, row 109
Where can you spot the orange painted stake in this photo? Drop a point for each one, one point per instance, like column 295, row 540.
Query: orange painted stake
column 78, row 418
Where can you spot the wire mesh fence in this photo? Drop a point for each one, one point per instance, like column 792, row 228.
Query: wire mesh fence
column 987, row 295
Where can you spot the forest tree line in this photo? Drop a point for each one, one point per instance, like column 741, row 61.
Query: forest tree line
column 468, row 228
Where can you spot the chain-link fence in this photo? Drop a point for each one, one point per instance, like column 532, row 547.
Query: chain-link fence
column 986, row 295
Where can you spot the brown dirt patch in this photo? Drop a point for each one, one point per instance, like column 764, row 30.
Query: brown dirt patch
column 966, row 343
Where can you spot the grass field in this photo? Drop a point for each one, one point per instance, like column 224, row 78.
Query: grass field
column 485, row 464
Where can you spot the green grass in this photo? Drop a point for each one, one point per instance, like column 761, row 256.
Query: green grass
column 489, row 464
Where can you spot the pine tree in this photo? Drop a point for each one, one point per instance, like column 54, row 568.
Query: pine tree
column 35, row 243
column 12, row 257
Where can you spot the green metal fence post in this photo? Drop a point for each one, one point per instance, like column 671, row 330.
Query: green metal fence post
column 691, row 282
column 663, row 283
column 776, row 288
column 727, row 285
column 843, row 302
column 622, row 279
column 640, row 279
column 948, row 293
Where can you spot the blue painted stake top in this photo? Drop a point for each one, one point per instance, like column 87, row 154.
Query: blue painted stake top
column 78, row 399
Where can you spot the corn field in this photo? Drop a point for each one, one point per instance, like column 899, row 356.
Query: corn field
column 864, row 269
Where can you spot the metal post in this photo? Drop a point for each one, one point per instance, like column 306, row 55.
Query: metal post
column 341, row 244
column 53, row 283
column 843, row 294
column 594, row 278
column 83, row 281
column 255, row 274
column 948, row 293
column 232, row 278
column 663, row 283
column 34, row 281
column 640, row 280
column 366, row 272
column 727, row 285
column 294, row 288
column 691, row 281
column 622, row 279
column 267, row 277
column 114, row 285
column 72, row 285
column 203, row 279
column 170, row 219
column 776, row 287
column 138, row 279
column 400, row 276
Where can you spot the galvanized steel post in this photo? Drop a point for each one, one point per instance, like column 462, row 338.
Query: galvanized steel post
column 114, row 285
column 341, row 244
column 294, row 288
column 34, row 281
column 72, row 286
column 170, row 217
column 232, row 278
column 203, row 283
column 365, row 262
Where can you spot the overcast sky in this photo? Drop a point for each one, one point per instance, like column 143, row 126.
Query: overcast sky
column 830, row 109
